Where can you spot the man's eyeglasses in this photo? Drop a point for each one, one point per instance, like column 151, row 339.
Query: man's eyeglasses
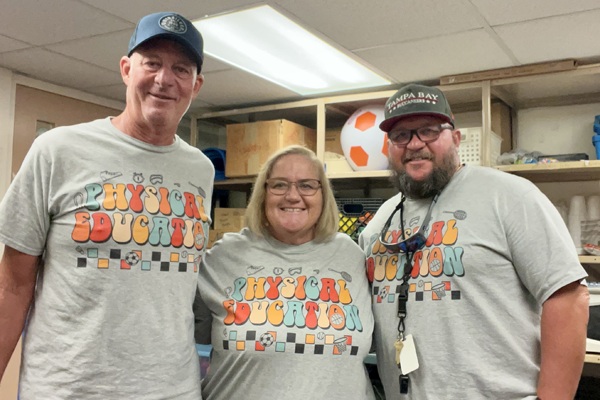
column 427, row 134
column 306, row 187
column 413, row 243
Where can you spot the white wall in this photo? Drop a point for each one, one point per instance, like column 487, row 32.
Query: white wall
column 558, row 130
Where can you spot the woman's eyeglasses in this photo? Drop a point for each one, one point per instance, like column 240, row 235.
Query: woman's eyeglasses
column 413, row 243
column 306, row 187
column 427, row 134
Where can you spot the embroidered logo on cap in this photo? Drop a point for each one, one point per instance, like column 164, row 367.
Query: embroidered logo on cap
column 411, row 98
column 173, row 23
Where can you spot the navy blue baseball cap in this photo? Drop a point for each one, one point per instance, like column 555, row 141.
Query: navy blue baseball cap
column 169, row 25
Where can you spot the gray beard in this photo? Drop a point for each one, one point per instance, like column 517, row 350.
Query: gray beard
column 430, row 186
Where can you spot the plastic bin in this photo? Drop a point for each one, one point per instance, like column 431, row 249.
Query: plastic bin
column 355, row 214
column 470, row 146
column 217, row 157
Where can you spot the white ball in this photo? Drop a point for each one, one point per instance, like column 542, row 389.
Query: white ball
column 363, row 143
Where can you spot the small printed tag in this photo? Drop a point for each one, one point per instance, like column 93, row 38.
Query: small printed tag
column 408, row 356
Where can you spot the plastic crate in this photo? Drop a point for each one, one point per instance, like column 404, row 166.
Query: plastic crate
column 355, row 214
column 470, row 146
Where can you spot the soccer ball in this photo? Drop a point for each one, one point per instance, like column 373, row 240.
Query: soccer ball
column 363, row 143
column 266, row 339
column 383, row 292
column 132, row 258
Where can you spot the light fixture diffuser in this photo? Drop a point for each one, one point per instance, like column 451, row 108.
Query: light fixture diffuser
column 267, row 44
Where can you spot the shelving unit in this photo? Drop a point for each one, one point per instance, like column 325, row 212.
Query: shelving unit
column 332, row 112
column 579, row 86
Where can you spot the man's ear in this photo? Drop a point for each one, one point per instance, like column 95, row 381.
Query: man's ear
column 125, row 67
column 456, row 137
column 198, row 84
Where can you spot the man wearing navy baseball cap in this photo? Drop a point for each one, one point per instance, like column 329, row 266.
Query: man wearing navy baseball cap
column 476, row 283
column 104, row 228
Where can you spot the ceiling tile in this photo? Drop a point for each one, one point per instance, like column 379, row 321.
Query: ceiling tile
column 133, row 10
column 8, row 44
column 103, row 50
column 568, row 36
column 237, row 87
column 444, row 55
column 106, row 51
column 116, row 92
column 51, row 21
column 55, row 68
column 356, row 24
column 507, row 11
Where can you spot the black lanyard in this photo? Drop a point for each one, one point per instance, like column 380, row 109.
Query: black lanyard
column 403, row 292
column 403, row 380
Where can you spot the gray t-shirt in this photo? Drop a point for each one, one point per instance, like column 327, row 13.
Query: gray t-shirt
column 121, row 225
column 288, row 322
column 496, row 250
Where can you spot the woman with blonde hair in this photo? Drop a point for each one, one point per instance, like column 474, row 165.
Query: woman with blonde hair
column 286, row 302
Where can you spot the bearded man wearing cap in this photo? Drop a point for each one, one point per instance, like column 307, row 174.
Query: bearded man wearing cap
column 477, row 288
column 104, row 226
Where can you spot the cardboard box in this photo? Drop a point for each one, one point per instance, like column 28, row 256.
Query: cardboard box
column 511, row 72
column 217, row 234
column 229, row 218
column 502, row 125
column 333, row 142
column 336, row 163
column 250, row 145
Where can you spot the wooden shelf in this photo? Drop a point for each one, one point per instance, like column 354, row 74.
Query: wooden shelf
column 592, row 358
column 578, row 86
column 340, row 181
column 589, row 259
column 584, row 170
column 360, row 180
column 240, row 184
column 359, row 174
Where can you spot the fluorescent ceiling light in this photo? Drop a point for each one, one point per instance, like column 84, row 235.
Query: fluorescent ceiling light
column 265, row 43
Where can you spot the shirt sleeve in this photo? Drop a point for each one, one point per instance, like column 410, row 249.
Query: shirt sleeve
column 24, row 210
column 541, row 247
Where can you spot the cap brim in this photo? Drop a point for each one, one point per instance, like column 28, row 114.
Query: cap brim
column 387, row 125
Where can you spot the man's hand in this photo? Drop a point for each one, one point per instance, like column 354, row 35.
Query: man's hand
column 18, row 272
column 564, row 329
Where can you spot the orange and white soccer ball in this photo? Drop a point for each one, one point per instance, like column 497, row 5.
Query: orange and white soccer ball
column 363, row 143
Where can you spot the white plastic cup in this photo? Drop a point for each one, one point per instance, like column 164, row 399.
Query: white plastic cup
column 593, row 208
column 577, row 211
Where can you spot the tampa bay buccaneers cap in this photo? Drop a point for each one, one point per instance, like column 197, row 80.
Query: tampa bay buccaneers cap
column 416, row 99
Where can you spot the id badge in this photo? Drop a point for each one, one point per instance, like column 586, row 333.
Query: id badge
column 408, row 356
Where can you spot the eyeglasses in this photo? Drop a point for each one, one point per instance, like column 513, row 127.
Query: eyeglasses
column 306, row 187
column 427, row 134
column 413, row 243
